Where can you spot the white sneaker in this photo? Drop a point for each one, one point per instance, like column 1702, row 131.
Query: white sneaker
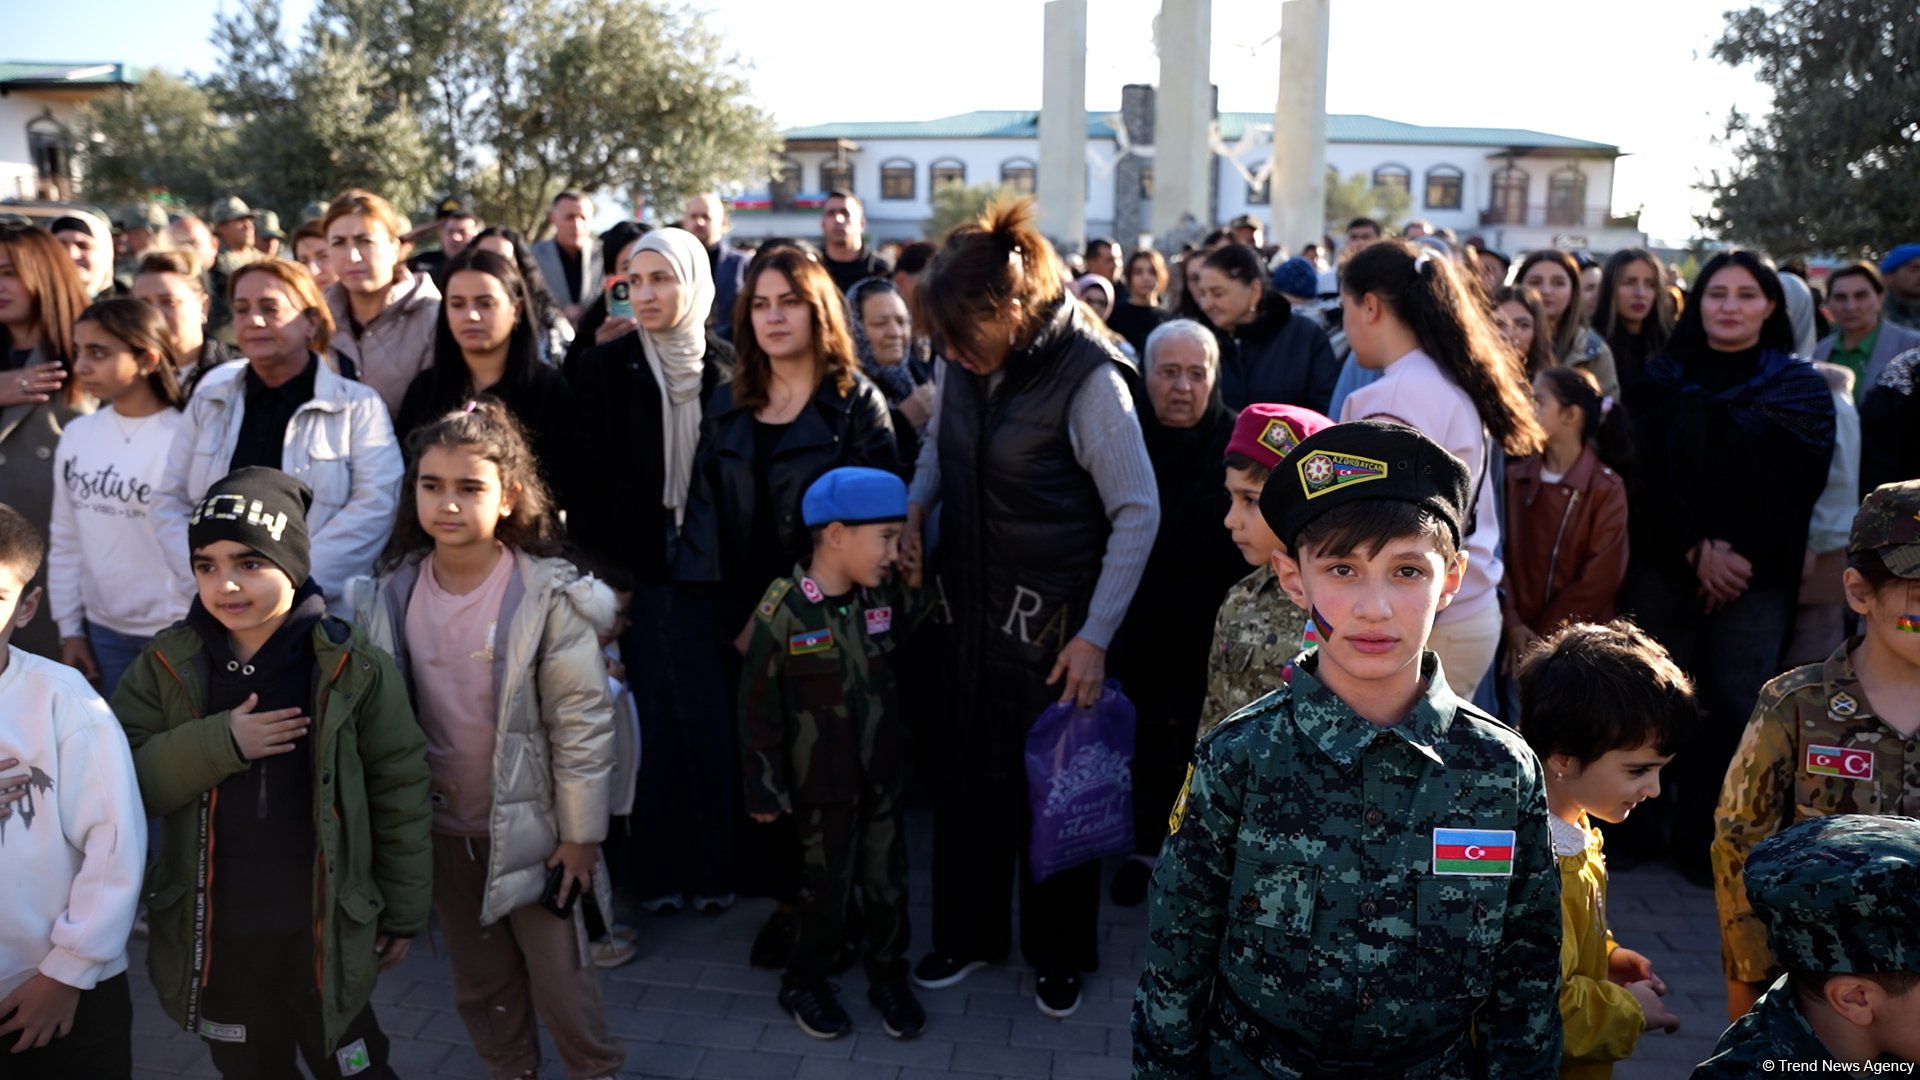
column 611, row 952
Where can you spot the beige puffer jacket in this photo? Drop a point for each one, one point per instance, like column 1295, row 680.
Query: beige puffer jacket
column 553, row 746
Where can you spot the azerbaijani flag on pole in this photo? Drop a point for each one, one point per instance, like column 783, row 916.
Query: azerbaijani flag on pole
column 1473, row 851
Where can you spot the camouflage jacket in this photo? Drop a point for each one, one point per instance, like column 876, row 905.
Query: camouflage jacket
column 819, row 715
column 1256, row 633
column 1346, row 882
column 1773, row 1031
column 1812, row 748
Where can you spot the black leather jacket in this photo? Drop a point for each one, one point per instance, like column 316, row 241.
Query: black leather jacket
column 834, row 430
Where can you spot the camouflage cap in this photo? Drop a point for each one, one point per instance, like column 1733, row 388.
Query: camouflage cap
column 1841, row 894
column 149, row 216
column 1364, row 459
column 313, row 211
column 229, row 209
column 1889, row 523
column 268, row 223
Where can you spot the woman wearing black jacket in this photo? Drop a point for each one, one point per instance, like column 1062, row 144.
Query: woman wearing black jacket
column 797, row 406
column 632, row 470
column 1734, row 435
column 1266, row 354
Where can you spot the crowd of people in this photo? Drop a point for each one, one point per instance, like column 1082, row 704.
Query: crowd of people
column 497, row 579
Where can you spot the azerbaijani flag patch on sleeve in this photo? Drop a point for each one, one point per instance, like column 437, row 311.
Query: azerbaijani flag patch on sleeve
column 1473, row 851
column 809, row 642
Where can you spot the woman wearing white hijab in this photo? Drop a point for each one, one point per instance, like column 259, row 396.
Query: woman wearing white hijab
column 639, row 399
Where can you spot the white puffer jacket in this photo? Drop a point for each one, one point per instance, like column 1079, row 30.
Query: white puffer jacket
column 553, row 745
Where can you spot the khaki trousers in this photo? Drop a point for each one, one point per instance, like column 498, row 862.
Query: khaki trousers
column 526, row 963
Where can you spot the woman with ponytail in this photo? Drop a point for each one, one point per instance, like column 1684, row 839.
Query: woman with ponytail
column 1566, row 538
column 1048, row 513
column 1446, row 372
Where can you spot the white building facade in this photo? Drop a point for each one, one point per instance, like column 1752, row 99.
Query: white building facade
column 39, row 107
column 1518, row 190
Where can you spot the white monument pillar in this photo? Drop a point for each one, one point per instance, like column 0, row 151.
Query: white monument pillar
column 1300, row 126
column 1062, row 181
column 1183, row 116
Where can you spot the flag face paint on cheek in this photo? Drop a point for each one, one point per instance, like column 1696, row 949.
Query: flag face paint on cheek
column 1321, row 625
column 1908, row 623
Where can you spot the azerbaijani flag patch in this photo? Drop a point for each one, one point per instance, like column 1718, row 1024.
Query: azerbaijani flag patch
column 1322, row 471
column 812, row 641
column 1840, row 761
column 1473, row 851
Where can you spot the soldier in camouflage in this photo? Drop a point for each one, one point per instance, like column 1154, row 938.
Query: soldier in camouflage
column 821, row 735
column 1359, row 878
column 1259, row 629
column 1819, row 741
column 1840, row 899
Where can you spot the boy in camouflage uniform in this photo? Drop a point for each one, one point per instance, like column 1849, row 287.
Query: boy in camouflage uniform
column 1359, row 878
column 1839, row 737
column 822, row 737
column 1258, row 629
column 1840, row 899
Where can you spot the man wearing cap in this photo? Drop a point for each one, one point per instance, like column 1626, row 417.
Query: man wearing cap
column 457, row 227
column 1838, row 737
column 1901, row 269
column 1840, row 899
column 267, row 234
column 232, row 222
column 1359, row 878
column 140, row 225
column 822, row 739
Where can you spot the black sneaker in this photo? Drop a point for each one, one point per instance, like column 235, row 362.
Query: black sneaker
column 1057, row 993
column 900, row 1011
column 774, row 943
column 937, row 971
column 817, row 1011
column 1129, row 886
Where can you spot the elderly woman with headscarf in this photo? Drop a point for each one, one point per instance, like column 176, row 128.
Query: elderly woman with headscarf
column 88, row 241
column 1160, row 652
column 882, row 327
column 636, row 429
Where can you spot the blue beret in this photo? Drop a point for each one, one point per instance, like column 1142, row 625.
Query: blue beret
column 1297, row 277
column 854, row 496
column 1899, row 257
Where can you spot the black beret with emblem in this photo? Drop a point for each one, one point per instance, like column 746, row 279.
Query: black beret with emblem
column 1364, row 459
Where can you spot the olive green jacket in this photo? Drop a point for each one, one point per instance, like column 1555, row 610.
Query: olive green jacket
column 373, row 871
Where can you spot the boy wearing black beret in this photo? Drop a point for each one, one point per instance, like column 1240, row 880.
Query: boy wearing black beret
column 252, row 720
column 1359, row 877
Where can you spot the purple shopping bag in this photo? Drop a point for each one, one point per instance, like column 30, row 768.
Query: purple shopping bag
column 1080, row 783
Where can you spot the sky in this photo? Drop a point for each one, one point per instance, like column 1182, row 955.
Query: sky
column 1634, row 73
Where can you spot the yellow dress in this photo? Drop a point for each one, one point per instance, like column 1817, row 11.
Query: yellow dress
column 1603, row 1022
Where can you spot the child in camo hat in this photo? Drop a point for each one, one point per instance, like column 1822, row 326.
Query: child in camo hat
column 1838, row 737
column 1840, row 898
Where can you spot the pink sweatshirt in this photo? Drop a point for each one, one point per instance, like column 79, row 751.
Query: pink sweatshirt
column 1415, row 392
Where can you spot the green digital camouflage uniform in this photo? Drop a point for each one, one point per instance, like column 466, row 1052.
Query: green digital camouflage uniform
column 822, row 738
column 1256, row 633
column 1837, row 895
column 1307, row 921
column 1812, row 748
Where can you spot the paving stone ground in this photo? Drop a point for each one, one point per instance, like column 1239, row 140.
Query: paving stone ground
column 690, row 1007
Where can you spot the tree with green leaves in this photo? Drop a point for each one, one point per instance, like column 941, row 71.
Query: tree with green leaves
column 1833, row 166
column 159, row 138
column 1358, row 196
column 956, row 203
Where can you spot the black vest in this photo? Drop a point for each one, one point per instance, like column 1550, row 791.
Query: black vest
column 1023, row 533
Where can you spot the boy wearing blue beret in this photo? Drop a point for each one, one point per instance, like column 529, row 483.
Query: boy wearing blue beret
column 821, row 739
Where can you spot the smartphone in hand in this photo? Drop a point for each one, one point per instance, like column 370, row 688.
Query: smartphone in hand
column 619, row 301
column 550, row 898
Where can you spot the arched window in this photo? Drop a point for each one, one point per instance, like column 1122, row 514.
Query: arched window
column 1443, row 188
column 836, row 176
column 1509, row 205
column 784, row 183
column 1260, row 194
column 1398, row 177
column 1566, row 196
column 946, row 171
column 51, row 150
column 896, row 179
column 1018, row 174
